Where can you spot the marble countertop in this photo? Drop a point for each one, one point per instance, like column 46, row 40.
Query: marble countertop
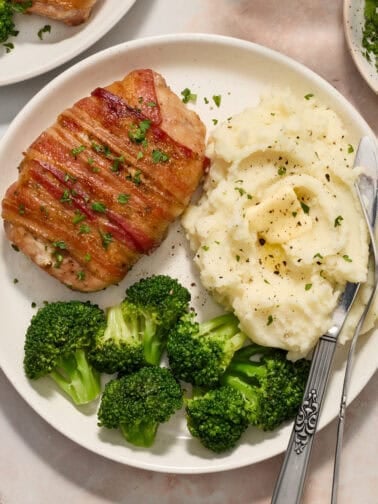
column 37, row 464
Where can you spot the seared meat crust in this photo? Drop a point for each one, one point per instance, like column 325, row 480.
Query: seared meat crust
column 71, row 12
column 99, row 188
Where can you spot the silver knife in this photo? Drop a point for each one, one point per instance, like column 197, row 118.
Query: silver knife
column 290, row 482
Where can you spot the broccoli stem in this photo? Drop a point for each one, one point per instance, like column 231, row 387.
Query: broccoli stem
column 225, row 325
column 141, row 433
column 77, row 378
column 152, row 344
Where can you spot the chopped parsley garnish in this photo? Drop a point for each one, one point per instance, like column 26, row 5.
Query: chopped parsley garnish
column 21, row 209
column 116, row 163
column 281, row 170
column 350, row 149
column 98, row 207
column 60, row 244
column 87, row 257
column 205, row 248
column 8, row 47
column 308, row 286
column 58, row 259
column 34, row 304
column 305, row 208
column 206, row 100
column 43, row 30
column 347, row 258
column 90, row 161
column 151, row 104
column 15, row 280
column 135, row 179
column 78, row 217
column 215, row 121
column 76, row 151
column 80, row 275
column 188, row 96
column 84, row 229
column 338, row 220
column 101, row 149
column 123, row 198
column 308, row 96
column 139, row 155
column 294, row 214
column 237, row 258
column 66, row 197
column 106, row 239
column 217, row 100
column 159, row 156
column 270, row 320
column 318, row 255
column 137, row 133
column 240, row 190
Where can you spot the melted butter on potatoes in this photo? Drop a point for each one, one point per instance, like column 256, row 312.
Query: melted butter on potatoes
column 278, row 230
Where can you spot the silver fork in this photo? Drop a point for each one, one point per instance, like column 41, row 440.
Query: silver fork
column 370, row 215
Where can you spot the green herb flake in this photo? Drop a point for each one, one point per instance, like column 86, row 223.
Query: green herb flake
column 294, row 214
column 215, row 121
column 60, row 244
column 135, row 179
column 116, row 163
column 338, row 220
column 43, row 30
column 217, row 99
column 188, row 96
column 308, row 286
column 205, row 248
column 66, row 197
column 84, row 229
column 206, row 100
column 80, row 275
column 21, row 209
column 281, row 170
column 237, row 258
column 106, row 239
column 308, row 96
column 15, row 280
column 305, row 208
column 269, row 320
column 151, row 104
column 350, row 149
column 8, row 47
column 318, row 255
column 347, row 258
column 123, row 198
column 34, row 304
column 78, row 217
column 159, row 156
column 137, row 133
column 87, row 257
column 77, row 150
column 98, row 207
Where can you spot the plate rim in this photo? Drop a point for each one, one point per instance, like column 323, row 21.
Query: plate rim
column 150, row 42
column 82, row 44
column 355, row 51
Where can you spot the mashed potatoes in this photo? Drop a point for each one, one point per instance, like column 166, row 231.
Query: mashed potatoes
column 279, row 231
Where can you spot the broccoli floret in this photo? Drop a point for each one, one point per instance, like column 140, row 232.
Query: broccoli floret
column 138, row 403
column 7, row 10
column 272, row 386
column 137, row 328
column 57, row 342
column 7, row 26
column 200, row 353
column 218, row 418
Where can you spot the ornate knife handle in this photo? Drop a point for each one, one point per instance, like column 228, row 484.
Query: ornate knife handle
column 291, row 479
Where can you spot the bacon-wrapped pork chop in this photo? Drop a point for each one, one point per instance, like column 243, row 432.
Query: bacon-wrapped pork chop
column 99, row 188
column 71, row 12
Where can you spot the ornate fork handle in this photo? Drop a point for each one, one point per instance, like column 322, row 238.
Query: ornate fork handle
column 291, row 479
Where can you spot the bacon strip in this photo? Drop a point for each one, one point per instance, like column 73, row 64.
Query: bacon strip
column 105, row 180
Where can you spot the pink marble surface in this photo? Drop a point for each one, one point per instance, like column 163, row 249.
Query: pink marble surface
column 37, row 464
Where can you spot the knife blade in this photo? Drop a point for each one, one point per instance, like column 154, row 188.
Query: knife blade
column 290, row 482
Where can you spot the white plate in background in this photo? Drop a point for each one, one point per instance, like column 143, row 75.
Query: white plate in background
column 208, row 65
column 32, row 56
column 354, row 22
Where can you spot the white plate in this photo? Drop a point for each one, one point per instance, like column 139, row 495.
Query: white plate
column 32, row 56
column 353, row 26
column 209, row 65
